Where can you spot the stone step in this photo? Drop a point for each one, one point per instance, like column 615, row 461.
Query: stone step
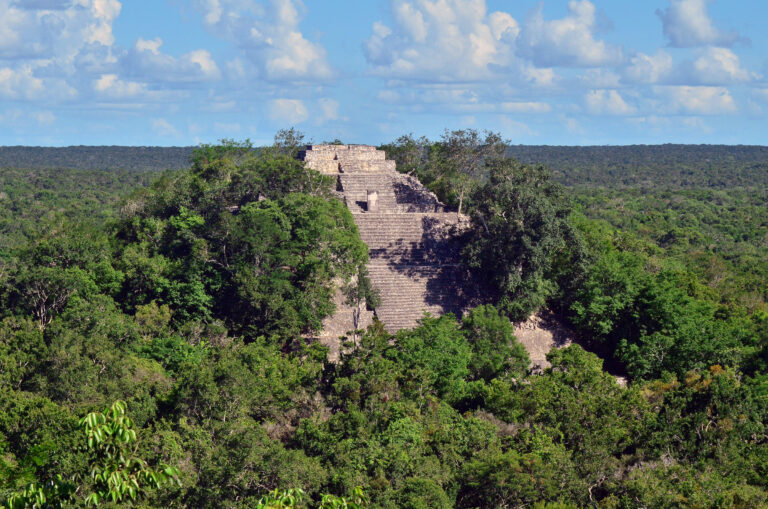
column 375, row 165
column 355, row 188
column 413, row 252
column 409, row 290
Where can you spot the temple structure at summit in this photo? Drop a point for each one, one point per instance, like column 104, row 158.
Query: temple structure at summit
column 412, row 239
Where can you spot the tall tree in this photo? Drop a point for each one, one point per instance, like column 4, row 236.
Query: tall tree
column 521, row 227
column 459, row 158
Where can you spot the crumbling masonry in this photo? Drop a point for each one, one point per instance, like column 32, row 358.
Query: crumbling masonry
column 412, row 239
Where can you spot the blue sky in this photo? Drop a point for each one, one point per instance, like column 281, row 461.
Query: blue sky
column 182, row 72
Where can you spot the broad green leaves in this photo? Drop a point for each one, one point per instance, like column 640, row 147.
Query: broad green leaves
column 117, row 474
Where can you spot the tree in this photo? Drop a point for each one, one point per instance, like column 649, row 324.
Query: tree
column 434, row 357
column 410, row 154
column 495, row 350
column 358, row 292
column 521, row 225
column 289, row 141
column 254, row 239
column 460, row 156
column 115, row 474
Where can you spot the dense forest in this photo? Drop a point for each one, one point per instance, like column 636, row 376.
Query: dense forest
column 667, row 166
column 154, row 336
column 96, row 158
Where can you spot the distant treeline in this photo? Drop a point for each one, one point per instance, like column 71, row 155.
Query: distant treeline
column 649, row 166
column 652, row 166
column 96, row 158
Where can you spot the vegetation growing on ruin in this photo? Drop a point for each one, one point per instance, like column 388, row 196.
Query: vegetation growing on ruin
column 189, row 302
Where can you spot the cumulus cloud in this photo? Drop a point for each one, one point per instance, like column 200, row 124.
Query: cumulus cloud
column 58, row 49
column 568, row 42
column 697, row 100
column 442, row 40
column 539, row 76
column 269, row 36
column 649, row 68
column 607, row 102
column 19, row 84
column 104, row 12
column 686, row 23
column 145, row 60
column 48, row 29
column 719, row 66
column 288, row 111
column 110, row 85
column 22, row 84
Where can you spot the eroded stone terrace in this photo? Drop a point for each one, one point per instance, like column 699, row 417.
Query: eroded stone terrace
column 414, row 251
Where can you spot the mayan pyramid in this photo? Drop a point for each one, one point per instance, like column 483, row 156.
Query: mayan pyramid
column 414, row 253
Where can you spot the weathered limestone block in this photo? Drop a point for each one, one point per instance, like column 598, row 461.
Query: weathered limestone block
column 328, row 167
column 373, row 165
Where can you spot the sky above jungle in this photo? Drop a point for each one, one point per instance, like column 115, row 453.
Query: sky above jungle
column 579, row 72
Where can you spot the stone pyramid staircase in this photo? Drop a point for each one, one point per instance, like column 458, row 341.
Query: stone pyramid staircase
column 413, row 241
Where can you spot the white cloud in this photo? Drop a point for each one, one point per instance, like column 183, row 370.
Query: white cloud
column 20, row 84
column 686, row 23
column 442, row 40
column 147, row 62
column 269, row 36
column 720, row 66
column 539, row 76
column 569, row 41
column 48, row 29
column 164, row 128
column 111, row 86
column 104, row 12
column 288, row 111
column 649, row 68
column 151, row 45
column 697, row 100
column 607, row 102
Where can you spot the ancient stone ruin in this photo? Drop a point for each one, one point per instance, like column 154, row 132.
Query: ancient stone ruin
column 414, row 251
